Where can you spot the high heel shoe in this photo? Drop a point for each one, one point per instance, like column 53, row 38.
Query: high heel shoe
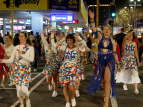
column 106, row 102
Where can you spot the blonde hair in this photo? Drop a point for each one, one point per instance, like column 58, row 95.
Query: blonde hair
column 107, row 26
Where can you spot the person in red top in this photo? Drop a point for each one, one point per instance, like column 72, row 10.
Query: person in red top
column 118, row 52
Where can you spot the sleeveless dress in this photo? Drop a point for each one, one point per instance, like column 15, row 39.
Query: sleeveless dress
column 68, row 68
column 104, row 59
column 128, row 63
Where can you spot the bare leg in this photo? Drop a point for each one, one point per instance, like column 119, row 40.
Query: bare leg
column 49, row 80
column 72, row 91
column 107, row 80
column 66, row 94
column 55, row 81
column 21, row 100
column 5, row 77
column 83, row 67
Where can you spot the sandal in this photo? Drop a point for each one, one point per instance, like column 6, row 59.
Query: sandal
column 106, row 102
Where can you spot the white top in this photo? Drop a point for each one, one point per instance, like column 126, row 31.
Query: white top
column 26, row 58
column 46, row 45
column 63, row 47
column 9, row 50
column 87, row 50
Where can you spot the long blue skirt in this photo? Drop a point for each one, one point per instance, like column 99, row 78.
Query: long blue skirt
column 96, row 80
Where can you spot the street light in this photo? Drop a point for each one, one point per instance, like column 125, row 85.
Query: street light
column 125, row 7
column 135, row 4
column 131, row 7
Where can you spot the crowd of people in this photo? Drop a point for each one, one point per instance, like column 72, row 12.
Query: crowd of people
column 113, row 60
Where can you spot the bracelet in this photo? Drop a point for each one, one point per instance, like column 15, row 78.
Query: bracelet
column 118, row 64
column 91, row 19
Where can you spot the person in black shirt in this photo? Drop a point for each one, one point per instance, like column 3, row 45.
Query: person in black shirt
column 16, row 39
column 119, row 38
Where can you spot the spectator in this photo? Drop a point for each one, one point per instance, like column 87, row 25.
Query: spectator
column 141, row 47
column 1, row 39
column 119, row 38
column 16, row 39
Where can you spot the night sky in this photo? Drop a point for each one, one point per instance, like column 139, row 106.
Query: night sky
column 119, row 3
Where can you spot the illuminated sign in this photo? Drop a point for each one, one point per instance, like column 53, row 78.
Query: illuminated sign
column 61, row 18
column 17, row 27
column 74, row 22
column 72, row 5
column 27, row 4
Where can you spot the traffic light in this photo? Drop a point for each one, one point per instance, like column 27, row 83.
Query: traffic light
column 7, row 2
column 17, row 3
column 112, row 11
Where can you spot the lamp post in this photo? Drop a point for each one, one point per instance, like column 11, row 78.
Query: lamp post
column 135, row 4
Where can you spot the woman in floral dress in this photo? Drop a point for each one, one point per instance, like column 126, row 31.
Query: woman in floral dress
column 22, row 55
column 52, row 61
column 129, row 73
column 68, row 71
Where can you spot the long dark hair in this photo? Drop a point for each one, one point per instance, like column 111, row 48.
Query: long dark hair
column 49, row 36
column 70, row 36
column 28, row 41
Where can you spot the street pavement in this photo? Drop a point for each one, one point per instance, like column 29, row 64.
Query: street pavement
column 41, row 97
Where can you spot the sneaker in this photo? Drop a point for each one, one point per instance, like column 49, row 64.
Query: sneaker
column 28, row 104
column 136, row 91
column 67, row 104
column 50, row 87
column 22, row 105
column 77, row 93
column 35, row 69
column 83, row 77
column 3, row 86
column 125, row 87
column 11, row 84
column 73, row 102
column 54, row 94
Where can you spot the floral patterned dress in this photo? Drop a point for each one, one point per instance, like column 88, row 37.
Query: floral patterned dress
column 128, row 58
column 51, row 62
column 68, row 68
column 21, row 72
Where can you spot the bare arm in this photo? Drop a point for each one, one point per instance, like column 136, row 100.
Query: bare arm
column 115, row 52
column 136, row 54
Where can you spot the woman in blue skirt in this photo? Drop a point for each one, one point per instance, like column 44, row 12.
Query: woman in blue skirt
column 103, row 77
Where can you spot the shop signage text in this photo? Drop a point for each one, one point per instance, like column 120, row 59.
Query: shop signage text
column 61, row 18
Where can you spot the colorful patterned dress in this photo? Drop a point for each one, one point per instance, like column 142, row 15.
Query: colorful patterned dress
column 94, row 50
column 52, row 59
column 129, row 70
column 21, row 69
column 128, row 60
column 68, row 69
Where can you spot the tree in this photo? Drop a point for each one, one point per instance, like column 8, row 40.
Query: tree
column 125, row 17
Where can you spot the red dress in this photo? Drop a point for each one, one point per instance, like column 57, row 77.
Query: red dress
column 3, row 66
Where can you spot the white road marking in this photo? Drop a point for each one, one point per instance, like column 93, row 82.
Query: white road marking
column 30, row 91
column 113, row 102
column 32, row 80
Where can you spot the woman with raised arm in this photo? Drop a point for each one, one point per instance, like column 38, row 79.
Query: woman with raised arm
column 22, row 55
column 52, row 61
column 68, row 70
column 94, row 41
column 129, row 73
column 104, row 71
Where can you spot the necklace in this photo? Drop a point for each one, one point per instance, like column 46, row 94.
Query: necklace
column 70, row 47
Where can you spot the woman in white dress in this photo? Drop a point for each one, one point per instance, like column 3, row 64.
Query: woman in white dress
column 9, row 49
column 129, row 73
